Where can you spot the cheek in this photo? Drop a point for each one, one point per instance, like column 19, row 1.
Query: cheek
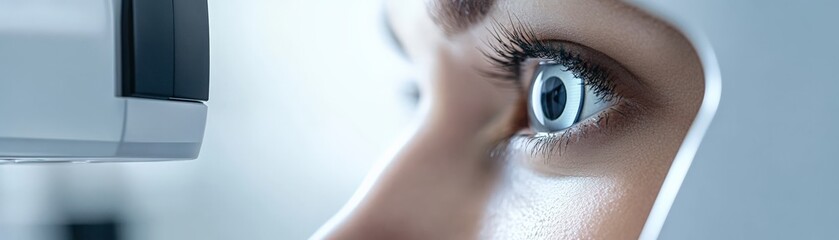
column 601, row 190
column 531, row 206
column 528, row 205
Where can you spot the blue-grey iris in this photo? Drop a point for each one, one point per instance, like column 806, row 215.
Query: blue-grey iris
column 556, row 98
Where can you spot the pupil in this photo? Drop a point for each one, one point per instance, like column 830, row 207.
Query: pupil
column 553, row 98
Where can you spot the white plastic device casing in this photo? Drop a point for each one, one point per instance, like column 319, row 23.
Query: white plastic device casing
column 59, row 91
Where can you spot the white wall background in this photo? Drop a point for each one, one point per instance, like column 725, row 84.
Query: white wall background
column 767, row 168
column 305, row 97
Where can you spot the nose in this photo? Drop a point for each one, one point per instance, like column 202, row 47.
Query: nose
column 437, row 185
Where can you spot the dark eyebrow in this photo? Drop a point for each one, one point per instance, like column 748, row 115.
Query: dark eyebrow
column 454, row 16
column 451, row 15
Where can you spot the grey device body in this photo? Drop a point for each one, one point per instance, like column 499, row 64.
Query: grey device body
column 103, row 80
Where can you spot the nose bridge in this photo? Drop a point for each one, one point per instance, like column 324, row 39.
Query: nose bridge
column 459, row 95
column 437, row 185
column 461, row 110
column 447, row 161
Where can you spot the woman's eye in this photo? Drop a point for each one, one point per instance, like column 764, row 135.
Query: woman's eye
column 568, row 82
column 558, row 99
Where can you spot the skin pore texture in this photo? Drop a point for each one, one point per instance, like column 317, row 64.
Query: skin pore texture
column 451, row 180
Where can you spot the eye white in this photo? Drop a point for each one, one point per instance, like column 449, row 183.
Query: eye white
column 558, row 99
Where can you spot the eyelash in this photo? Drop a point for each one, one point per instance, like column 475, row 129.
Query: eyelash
column 511, row 46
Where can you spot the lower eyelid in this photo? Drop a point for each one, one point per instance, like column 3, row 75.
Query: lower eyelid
column 602, row 126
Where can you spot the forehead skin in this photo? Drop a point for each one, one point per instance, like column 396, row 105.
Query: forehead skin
column 453, row 16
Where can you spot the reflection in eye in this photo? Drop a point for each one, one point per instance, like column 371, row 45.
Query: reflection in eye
column 558, row 99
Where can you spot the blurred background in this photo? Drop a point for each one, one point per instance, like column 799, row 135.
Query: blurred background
column 767, row 167
column 307, row 95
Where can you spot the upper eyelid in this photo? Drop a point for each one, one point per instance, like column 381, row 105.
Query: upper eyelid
column 510, row 46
